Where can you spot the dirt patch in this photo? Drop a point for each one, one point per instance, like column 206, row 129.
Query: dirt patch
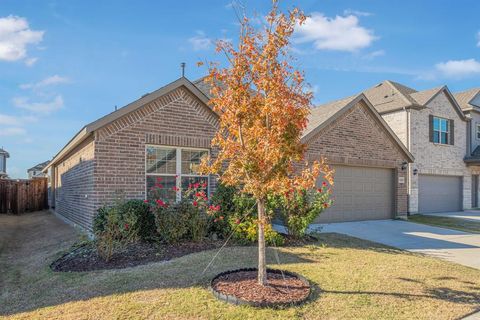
column 86, row 258
column 281, row 288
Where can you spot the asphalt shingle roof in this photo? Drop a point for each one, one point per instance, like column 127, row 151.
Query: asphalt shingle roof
column 463, row 98
column 322, row 113
column 39, row 166
column 389, row 96
column 422, row 97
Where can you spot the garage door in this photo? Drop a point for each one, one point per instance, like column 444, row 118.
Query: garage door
column 439, row 193
column 361, row 193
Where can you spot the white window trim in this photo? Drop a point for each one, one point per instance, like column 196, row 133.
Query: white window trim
column 178, row 170
column 440, row 130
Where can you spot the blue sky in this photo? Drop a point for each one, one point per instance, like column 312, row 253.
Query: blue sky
column 63, row 64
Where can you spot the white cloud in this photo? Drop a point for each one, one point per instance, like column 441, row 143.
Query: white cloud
column 12, row 131
column 30, row 61
column 200, row 41
column 15, row 37
column 372, row 55
column 478, row 39
column 6, row 119
column 458, row 68
column 339, row 33
column 49, row 81
column 357, row 13
column 39, row 107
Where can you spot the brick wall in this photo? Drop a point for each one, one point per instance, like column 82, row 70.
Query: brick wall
column 357, row 139
column 437, row 159
column 74, row 185
column 176, row 119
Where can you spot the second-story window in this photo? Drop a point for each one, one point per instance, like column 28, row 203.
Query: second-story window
column 441, row 130
column 478, row 131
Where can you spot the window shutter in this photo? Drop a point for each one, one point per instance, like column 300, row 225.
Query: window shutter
column 430, row 127
column 452, row 132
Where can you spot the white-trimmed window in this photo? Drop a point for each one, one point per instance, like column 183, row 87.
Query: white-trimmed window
column 478, row 131
column 441, row 130
column 177, row 168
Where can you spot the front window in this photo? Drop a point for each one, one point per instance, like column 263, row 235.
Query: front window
column 170, row 169
column 440, row 130
column 478, row 131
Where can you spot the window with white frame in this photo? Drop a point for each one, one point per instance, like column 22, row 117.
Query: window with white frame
column 170, row 169
column 478, row 131
column 440, row 130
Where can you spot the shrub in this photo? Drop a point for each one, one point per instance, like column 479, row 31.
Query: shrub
column 134, row 212
column 299, row 208
column 238, row 215
column 245, row 232
column 189, row 219
column 112, row 229
column 171, row 221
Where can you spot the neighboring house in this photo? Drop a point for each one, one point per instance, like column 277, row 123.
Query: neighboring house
column 469, row 101
column 433, row 127
column 37, row 171
column 3, row 163
column 165, row 134
column 370, row 161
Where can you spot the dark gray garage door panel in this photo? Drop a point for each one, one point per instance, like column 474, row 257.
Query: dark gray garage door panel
column 439, row 193
column 361, row 193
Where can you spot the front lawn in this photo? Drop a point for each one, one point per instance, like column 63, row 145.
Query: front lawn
column 447, row 222
column 354, row 279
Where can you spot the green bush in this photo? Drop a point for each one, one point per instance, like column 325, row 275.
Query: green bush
column 238, row 215
column 246, row 232
column 172, row 221
column 299, row 208
column 133, row 212
column 114, row 228
column 187, row 220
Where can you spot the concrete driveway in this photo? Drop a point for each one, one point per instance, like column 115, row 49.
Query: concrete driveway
column 452, row 245
column 473, row 215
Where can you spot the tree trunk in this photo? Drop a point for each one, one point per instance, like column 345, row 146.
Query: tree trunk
column 262, row 266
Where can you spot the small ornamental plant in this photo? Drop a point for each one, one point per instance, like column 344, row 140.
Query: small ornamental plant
column 298, row 208
column 189, row 219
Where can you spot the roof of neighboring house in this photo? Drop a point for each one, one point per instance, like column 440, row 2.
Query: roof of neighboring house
column 322, row 113
column 87, row 130
column 39, row 166
column 3, row 151
column 464, row 98
column 389, row 96
column 321, row 116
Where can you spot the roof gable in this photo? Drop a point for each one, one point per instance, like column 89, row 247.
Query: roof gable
column 87, row 130
column 333, row 111
column 425, row 97
column 468, row 99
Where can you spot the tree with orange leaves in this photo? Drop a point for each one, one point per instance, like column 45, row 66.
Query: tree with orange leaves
column 263, row 106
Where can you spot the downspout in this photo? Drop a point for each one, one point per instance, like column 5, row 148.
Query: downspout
column 409, row 148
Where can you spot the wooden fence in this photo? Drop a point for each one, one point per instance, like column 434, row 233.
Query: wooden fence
column 19, row 196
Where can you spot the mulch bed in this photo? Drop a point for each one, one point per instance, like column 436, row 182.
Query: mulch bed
column 86, row 258
column 241, row 287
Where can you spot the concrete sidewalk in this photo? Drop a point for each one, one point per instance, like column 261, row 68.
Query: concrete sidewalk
column 456, row 246
column 473, row 215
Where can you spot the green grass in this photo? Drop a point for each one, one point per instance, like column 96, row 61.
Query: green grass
column 447, row 222
column 352, row 279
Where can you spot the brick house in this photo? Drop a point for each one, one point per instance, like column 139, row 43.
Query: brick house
column 165, row 133
column 469, row 101
column 433, row 127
